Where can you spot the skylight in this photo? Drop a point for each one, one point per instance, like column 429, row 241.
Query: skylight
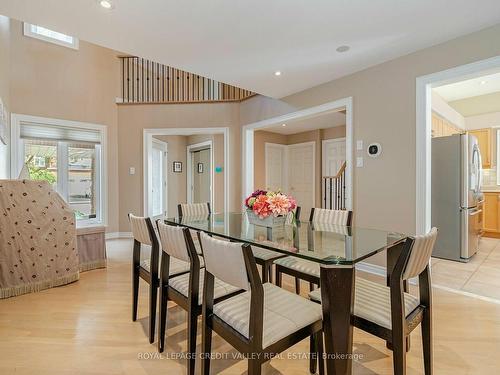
column 51, row 36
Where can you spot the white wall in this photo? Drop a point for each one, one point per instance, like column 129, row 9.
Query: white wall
column 442, row 108
column 5, row 90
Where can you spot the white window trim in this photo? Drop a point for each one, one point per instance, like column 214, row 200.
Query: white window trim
column 189, row 170
column 16, row 158
column 27, row 32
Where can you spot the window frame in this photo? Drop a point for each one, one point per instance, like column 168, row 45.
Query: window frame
column 29, row 33
column 17, row 160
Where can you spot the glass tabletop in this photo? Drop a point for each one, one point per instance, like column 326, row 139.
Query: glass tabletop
column 317, row 242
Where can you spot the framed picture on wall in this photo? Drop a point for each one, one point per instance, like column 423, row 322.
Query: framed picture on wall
column 177, row 166
column 200, row 167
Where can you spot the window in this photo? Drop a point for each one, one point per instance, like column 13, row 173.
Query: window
column 50, row 36
column 69, row 158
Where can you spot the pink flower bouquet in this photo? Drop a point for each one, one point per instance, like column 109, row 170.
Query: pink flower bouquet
column 267, row 203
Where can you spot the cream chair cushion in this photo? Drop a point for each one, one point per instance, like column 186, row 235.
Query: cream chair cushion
column 372, row 301
column 265, row 254
column 177, row 266
column 181, row 284
column 284, row 313
column 301, row 265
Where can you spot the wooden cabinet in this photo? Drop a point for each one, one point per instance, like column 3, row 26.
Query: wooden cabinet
column 484, row 138
column 442, row 127
column 491, row 213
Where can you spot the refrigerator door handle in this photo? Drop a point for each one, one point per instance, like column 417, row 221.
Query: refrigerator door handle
column 475, row 212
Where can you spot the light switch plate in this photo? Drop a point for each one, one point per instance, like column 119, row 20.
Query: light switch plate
column 359, row 145
column 359, row 162
column 131, row 171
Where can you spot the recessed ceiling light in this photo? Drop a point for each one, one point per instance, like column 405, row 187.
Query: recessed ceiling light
column 343, row 49
column 106, row 4
column 283, row 125
column 483, row 82
column 277, row 73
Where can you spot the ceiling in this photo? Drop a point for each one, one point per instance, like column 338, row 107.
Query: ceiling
column 323, row 121
column 244, row 42
column 483, row 85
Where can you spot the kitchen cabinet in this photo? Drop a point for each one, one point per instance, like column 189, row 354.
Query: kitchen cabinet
column 491, row 213
column 442, row 127
column 484, row 138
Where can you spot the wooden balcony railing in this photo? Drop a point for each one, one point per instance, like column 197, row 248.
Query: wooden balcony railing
column 145, row 81
column 334, row 190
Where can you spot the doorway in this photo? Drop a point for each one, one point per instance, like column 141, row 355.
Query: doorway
column 333, row 154
column 200, row 178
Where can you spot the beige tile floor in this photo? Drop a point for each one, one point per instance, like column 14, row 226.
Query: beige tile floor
column 85, row 328
column 480, row 276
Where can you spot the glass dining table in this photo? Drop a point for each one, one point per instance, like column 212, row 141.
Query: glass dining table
column 336, row 248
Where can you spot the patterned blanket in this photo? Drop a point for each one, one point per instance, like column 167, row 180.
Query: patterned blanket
column 37, row 238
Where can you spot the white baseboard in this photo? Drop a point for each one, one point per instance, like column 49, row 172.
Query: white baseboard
column 114, row 235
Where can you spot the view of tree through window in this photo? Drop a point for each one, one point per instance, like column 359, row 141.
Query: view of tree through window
column 81, row 186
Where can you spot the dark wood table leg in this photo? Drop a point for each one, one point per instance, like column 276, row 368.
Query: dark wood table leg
column 393, row 254
column 337, row 300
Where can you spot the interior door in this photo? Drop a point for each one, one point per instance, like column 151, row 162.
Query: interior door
column 158, row 176
column 301, row 175
column 275, row 166
column 334, row 155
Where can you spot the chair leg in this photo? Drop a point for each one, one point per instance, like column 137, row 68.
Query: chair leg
column 265, row 273
column 135, row 292
column 399, row 353
column 254, row 367
column 206, row 343
column 278, row 276
column 270, row 267
column 313, row 360
column 427, row 341
column 192, row 328
column 153, row 290
column 321, row 351
column 162, row 318
column 311, row 287
column 297, row 285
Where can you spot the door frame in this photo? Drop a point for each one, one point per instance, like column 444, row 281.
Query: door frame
column 424, row 85
column 285, row 161
column 323, row 143
column 147, row 144
column 163, row 146
column 313, row 144
column 189, row 168
column 248, row 142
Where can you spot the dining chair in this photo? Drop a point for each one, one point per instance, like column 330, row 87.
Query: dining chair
column 190, row 211
column 184, row 290
column 303, row 269
column 144, row 235
column 392, row 314
column 266, row 258
column 261, row 322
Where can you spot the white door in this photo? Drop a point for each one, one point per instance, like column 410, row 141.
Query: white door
column 301, row 175
column 334, row 155
column 275, row 166
column 158, row 183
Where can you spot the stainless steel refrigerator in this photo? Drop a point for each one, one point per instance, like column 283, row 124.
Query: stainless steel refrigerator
column 456, row 196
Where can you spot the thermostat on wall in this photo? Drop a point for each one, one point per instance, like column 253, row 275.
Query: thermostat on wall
column 374, row 150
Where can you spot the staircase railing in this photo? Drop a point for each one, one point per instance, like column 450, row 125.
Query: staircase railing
column 145, row 81
column 334, row 190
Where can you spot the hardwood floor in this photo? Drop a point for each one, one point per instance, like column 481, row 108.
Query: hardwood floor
column 86, row 328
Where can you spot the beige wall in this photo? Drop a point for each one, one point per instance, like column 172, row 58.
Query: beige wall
column 384, row 111
column 133, row 119
column 5, row 89
column 57, row 82
column 261, row 137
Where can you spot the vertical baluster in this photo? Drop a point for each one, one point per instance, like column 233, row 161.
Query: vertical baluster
column 123, row 79
column 331, row 192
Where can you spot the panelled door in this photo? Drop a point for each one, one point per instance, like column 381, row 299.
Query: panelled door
column 301, row 175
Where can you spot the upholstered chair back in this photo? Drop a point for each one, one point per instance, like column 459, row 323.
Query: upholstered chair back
column 173, row 241
column 225, row 261
column 420, row 254
column 140, row 229
column 194, row 209
column 338, row 217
